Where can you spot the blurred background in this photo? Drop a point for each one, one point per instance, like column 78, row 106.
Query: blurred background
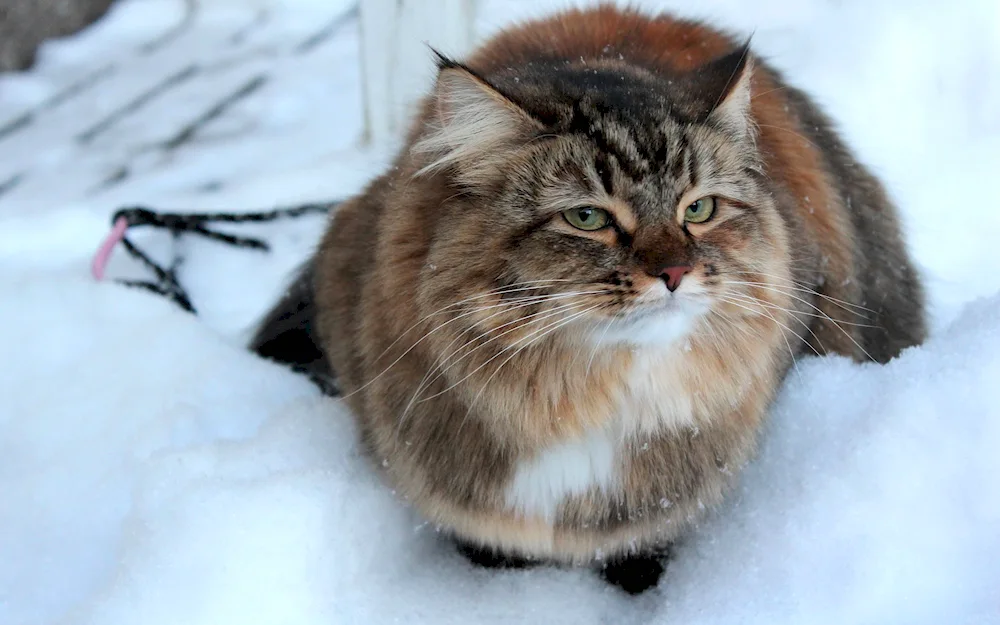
column 24, row 24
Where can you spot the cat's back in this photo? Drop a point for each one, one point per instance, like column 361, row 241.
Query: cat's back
column 661, row 42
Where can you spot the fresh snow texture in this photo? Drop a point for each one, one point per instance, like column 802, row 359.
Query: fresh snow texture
column 154, row 472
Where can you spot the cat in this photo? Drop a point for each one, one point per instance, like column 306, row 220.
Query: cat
column 561, row 315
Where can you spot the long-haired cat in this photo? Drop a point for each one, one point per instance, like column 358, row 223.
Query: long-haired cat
column 561, row 315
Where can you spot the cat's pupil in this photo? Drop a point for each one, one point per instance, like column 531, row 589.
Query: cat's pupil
column 585, row 214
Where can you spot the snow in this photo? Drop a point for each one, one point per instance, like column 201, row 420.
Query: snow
column 154, row 472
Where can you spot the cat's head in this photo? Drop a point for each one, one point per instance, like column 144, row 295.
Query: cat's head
column 599, row 199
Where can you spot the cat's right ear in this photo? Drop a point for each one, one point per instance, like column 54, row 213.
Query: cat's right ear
column 470, row 123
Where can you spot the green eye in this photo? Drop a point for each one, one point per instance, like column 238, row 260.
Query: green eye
column 701, row 211
column 587, row 218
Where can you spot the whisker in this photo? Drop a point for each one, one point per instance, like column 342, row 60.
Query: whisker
column 528, row 285
column 764, row 93
column 441, row 326
column 547, row 330
column 765, row 312
column 792, row 314
column 717, row 342
column 548, row 314
column 795, row 361
column 521, row 319
column 801, row 287
column 409, row 404
column 505, row 310
column 541, row 299
column 826, row 316
column 597, row 345
column 791, row 354
column 543, row 314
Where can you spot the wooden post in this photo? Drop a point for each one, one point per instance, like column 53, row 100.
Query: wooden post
column 397, row 65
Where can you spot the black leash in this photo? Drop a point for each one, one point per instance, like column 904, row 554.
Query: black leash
column 166, row 282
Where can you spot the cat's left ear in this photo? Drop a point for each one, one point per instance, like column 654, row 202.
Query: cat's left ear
column 723, row 91
column 471, row 124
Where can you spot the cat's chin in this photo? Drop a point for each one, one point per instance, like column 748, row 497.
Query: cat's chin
column 655, row 326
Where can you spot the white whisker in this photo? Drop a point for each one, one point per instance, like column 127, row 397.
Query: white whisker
column 546, row 331
column 533, row 300
column 798, row 286
column 547, row 314
column 505, row 310
column 532, row 318
column 792, row 314
column 597, row 346
column 825, row 316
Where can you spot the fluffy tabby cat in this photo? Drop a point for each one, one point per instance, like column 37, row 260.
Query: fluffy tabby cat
column 561, row 315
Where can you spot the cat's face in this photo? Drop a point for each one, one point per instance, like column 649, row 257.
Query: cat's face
column 601, row 207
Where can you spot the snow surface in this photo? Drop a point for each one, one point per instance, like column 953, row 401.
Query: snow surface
column 154, row 472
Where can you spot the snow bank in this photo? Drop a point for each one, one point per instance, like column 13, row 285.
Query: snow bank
column 876, row 498
column 154, row 472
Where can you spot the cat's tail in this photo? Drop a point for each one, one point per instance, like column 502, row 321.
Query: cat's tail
column 287, row 333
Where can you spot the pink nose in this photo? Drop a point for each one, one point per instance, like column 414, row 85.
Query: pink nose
column 672, row 276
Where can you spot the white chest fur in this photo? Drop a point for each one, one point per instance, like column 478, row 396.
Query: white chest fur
column 654, row 402
column 658, row 397
column 570, row 468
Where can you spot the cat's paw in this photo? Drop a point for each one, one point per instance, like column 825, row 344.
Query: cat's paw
column 490, row 559
column 635, row 574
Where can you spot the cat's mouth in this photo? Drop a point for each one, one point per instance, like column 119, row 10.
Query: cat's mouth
column 657, row 299
column 671, row 305
column 654, row 319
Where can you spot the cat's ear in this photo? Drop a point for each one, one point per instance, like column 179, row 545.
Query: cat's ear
column 470, row 123
column 723, row 91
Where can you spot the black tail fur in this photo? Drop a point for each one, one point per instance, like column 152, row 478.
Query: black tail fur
column 288, row 333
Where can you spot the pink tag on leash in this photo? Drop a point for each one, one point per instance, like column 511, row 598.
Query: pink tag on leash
column 100, row 262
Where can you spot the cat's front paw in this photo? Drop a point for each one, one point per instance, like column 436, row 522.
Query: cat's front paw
column 635, row 574
column 490, row 559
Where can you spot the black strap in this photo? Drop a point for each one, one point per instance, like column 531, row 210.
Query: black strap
column 166, row 282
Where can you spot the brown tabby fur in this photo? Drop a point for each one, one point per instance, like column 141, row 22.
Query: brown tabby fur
column 640, row 116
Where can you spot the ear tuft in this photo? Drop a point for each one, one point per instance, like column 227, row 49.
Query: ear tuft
column 470, row 120
column 718, row 92
column 444, row 62
column 732, row 109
